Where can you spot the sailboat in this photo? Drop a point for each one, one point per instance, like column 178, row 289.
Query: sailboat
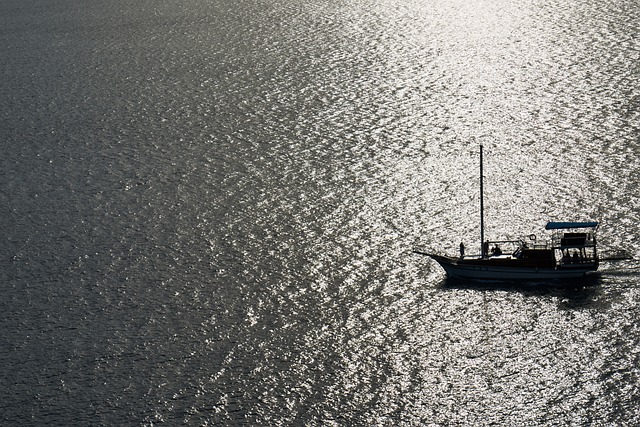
column 570, row 252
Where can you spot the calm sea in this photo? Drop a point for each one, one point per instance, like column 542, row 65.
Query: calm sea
column 208, row 210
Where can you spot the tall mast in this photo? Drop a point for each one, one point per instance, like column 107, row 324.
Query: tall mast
column 481, row 207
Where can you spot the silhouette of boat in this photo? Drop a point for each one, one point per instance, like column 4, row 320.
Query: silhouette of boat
column 570, row 252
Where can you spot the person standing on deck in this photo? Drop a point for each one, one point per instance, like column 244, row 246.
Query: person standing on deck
column 461, row 250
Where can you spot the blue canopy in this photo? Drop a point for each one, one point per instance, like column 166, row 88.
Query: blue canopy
column 560, row 225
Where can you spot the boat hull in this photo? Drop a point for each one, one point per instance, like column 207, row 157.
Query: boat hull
column 488, row 271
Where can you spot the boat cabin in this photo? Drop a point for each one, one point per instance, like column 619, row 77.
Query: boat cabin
column 567, row 249
column 574, row 248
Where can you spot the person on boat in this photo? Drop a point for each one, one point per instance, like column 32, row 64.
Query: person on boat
column 576, row 258
column 497, row 251
column 461, row 250
column 485, row 249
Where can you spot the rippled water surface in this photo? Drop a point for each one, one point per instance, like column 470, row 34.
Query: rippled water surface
column 208, row 211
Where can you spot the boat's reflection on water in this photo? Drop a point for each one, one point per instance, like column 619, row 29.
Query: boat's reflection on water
column 571, row 295
column 574, row 286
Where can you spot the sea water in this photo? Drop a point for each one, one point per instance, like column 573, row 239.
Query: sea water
column 208, row 210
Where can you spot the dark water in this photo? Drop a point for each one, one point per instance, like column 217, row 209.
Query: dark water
column 208, row 210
